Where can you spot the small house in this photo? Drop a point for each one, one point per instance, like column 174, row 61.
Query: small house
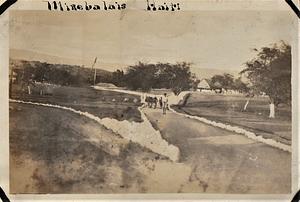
column 203, row 86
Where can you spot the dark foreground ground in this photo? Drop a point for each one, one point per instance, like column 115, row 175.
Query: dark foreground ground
column 103, row 104
column 229, row 109
column 54, row 151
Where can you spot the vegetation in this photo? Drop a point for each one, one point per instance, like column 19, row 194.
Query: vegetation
column 66, row 75
column 177, row 77
column 270, row 73
column 228, row 82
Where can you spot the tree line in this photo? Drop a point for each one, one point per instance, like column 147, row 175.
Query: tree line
column 143, row 76
column 59, row 74
column 227, row 82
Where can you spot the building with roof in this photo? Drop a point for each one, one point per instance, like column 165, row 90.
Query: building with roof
column 203, row 85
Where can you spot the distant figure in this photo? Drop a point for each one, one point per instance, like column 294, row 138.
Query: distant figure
column 160, row 103
column 165, row 103
column 148, row 101
column 155, row 102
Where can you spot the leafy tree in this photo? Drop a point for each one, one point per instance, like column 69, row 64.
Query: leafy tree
column 181, row 78
column 240, row 86
column 270, row 73
column 140, row 76
column 117, row 78
column 177, row 77
column 225, row 81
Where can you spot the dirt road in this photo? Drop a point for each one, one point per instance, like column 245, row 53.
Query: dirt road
column 222, row 161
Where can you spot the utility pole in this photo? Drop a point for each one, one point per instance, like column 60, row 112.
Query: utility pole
column 95, row 76
column 95, row 71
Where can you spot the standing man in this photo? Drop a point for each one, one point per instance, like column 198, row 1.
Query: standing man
column 160, row 103
column 155, row 102
column 164, row 103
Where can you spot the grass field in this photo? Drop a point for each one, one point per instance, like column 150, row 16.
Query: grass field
column 99, row 103
column 229, row 109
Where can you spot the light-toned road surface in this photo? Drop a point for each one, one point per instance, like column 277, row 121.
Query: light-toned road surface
column 222, row 161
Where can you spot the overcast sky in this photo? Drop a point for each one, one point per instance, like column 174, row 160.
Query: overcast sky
column 208, row 39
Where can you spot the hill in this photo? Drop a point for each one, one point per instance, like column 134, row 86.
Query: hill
column 61, row 74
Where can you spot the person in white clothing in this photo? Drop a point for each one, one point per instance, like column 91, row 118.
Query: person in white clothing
column 164, row 103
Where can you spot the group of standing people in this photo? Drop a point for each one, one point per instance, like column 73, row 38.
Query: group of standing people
column 157, row 101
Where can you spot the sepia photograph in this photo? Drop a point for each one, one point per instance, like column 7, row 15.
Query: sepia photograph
column 143, row 101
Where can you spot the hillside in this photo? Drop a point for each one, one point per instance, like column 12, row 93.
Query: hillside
column 56, row 73
column 29, row 55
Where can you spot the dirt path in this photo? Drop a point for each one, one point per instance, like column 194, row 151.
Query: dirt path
column 222, row 161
